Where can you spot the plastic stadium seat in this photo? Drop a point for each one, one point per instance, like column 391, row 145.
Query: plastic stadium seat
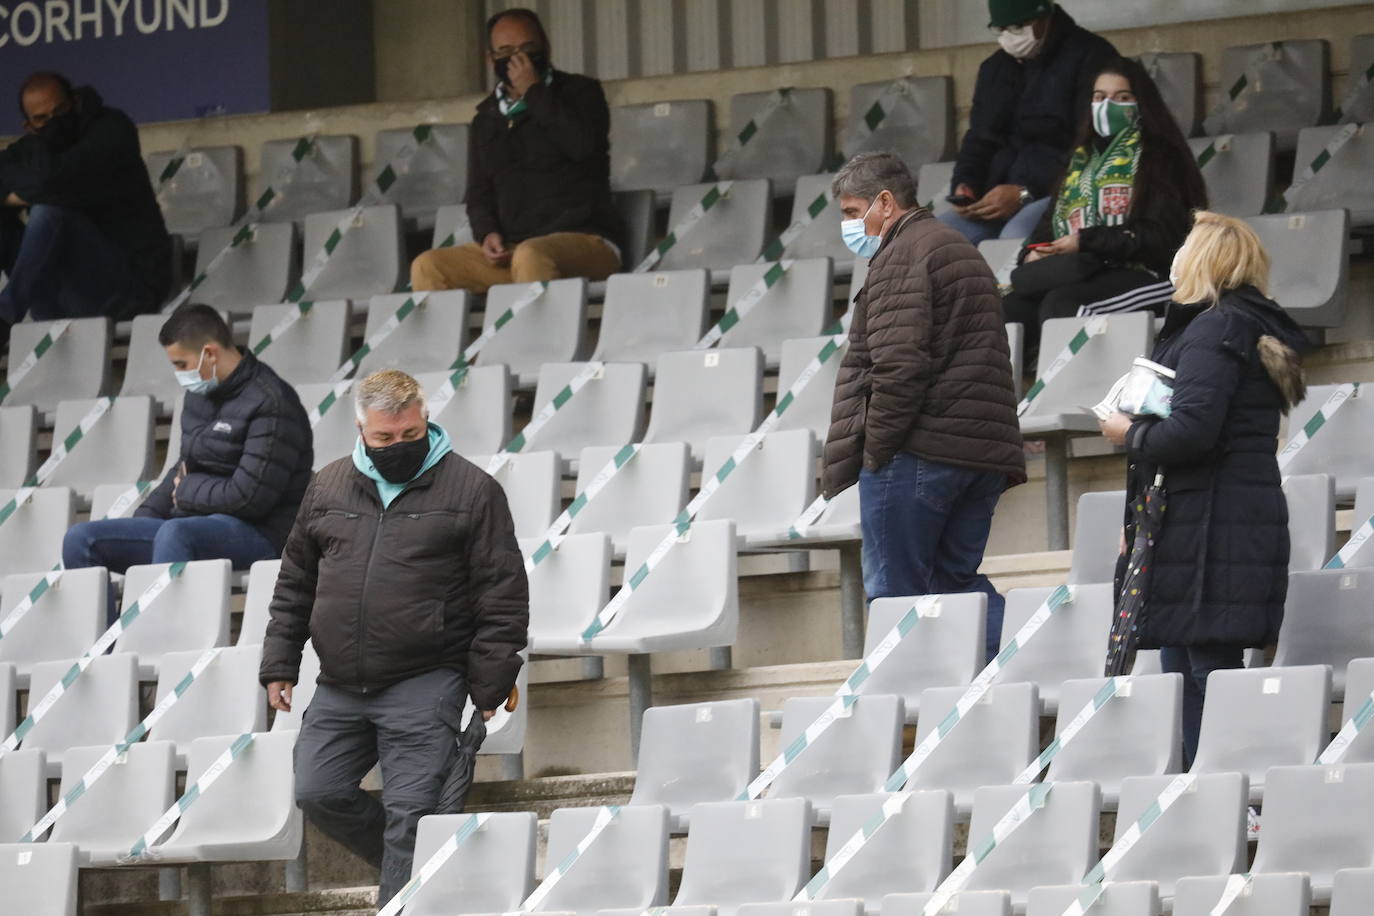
column 478, row 417
column 493, row 873
column 1345, row 181
column 702, row 910
column 696, row 753
column 911, row 853
column 1138, row 732
column 337, row 432
column 1071, row 643
column 429, row 174
column 660, row 145
column 852, row 757
column 703, row 393
column 98, row 708
column 647, row 315
column 1352, row 890
column 846, row 907
column 302, row 694
column 607, row 410
column 1338, row 448
column 945, row 649
column 567, row 589
column 206, row 191
column 530, row 481
column 18, row 439
column 969, row 903
column 1361, row 57
column 765, row 494
column 40, row 879
column 428, row 340
column 933, row 186
column 627, row 866
column 1359, row 684
column 1016, row 343
column 1178, row 74
column 1056, row 845
column 811, row 408
column 690, row 601
column 919, row 119
column 1316, row 820
column 259, row 270
column 650, row 490
column 637, row 209
column 1058, row 408
column 838, row 523
column 147, row 369
column 326, row 178
column 1239, row 171
column 797, row 305
column 62, row 624
column 31, row 539
column 1137, row 898
column 1202, row 833
column 1289, row 88
column 118, row 448
column 262, row 582
column 1311, row 520
column 191, row 613
column 821, row 236
column 226, row 699
column 732, row 231
column 113, row 813
column 1326, row 621
column 1097, row 536
column 1364, row 510
column 1002, row 256
column 8, row 705
column 76, row 366
column 23, row 791
column 794, row 141
column 989, row 747
column 746, row 852
column 105, row 495
column 1269, row 895
column 312, row 348
column 1259, row 718
column 451, row 225
column 369, row 260
column 551, row 329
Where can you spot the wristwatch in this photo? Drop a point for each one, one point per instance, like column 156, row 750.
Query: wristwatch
column 1025, row 196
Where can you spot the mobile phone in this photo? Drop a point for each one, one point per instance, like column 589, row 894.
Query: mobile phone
column 960, row 200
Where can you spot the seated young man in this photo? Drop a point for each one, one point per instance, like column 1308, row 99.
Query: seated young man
column 246, row 458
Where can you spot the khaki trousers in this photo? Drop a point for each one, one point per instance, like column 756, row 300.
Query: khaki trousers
column 545, row 257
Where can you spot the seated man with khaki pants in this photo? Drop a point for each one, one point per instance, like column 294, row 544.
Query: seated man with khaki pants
column 539, row 187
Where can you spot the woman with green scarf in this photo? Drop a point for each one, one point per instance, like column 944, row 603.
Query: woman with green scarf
column 1123, row 207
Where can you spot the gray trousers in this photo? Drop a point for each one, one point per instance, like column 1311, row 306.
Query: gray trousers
column 410, row 728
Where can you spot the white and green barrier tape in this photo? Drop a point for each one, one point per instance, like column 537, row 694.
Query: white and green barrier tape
column 470, row 825
column 718, row 192
column 742, row 306
column 174, row 164
column 248, row 232
column 298, row 310
column 809, row 515
column 876, row 113
column 125, row 501
column 106, row 639
column 320, row 263
column 58, row 455
column 1358, row 538
column 554, row 535
column 1358, row 87
column 605, row 816
column 775, row 249
column 142, row 850
column 439, row 399
column 1319, row 419
column 399, row 164
column 749, row 131
column 16, row 374
column 336, row 394
column 1335, row 751
column 1093, row 327
column 404, row 311
column 683, row 523
column 1216, row 119
column 115, row 752
column 1220, row 144
column 592, row 370
column 1333, row 147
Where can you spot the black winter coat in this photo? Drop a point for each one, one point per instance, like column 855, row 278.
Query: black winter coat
column 546, row 170
column 435, row 580
column 1025, row 113
column 99, row 171
column 1220, row 572
column 248, row 452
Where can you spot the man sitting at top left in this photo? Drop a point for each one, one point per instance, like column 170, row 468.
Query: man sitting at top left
column 95, row 242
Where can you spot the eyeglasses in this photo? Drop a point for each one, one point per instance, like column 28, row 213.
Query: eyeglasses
column 505, row 51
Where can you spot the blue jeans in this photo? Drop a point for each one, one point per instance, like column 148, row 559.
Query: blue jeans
column 61, row 266
column 925, row 526
column 1018, row 227
column 1195, row 664
column 119, row 543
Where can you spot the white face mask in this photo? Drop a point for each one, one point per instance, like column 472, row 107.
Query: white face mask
column 1020, row 42
column 1173, row 268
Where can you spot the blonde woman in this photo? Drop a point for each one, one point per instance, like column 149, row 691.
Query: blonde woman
column 1220, row 567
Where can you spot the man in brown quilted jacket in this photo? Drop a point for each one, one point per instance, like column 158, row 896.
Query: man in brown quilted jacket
column 924, row 418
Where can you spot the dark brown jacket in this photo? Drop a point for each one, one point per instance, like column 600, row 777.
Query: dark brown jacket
column 928, row 369
column 435, row 580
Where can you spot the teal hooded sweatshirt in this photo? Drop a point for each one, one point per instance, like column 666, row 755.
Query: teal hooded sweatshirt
column 439, row 446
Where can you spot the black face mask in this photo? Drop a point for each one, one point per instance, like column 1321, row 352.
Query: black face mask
column 61, row 132
column 539, row 59
column 400, row 462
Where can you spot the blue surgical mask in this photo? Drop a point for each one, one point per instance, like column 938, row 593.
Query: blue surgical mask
column 856, row 237
column 190, row 378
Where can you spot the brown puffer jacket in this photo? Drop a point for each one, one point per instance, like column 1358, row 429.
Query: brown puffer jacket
column 928, row 369
column 435, row 580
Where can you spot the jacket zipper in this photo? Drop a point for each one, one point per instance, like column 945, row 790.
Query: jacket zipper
column 362, row 598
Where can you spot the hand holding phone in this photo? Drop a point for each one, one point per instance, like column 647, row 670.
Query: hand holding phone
column 960, row 200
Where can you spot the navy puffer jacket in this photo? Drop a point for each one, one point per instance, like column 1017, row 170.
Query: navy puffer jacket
column 248, row 453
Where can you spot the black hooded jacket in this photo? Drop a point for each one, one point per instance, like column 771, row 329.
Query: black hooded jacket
column 89, row 160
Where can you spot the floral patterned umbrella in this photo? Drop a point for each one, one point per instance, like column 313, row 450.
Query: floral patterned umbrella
column 1133, row 588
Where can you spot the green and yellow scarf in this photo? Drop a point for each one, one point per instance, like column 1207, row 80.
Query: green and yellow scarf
column 1098, row 187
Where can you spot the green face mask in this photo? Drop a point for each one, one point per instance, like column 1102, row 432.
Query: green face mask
column 1111, row 118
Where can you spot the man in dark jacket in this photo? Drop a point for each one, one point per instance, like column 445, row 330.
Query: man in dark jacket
column 95, row 242
column 1026, row 106
column 924, row 418
column 245, row 462
column 403, row 570
column 539, row 166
